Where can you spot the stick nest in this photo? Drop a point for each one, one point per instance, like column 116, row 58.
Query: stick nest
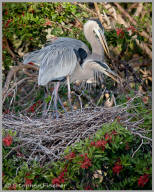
column 46, row 139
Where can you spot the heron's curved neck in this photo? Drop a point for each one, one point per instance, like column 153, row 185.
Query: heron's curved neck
column 97, row 49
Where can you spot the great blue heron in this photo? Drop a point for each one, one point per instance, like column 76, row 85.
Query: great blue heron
column 70, row 59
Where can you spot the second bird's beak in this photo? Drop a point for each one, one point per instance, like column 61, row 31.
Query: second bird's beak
column 113, row 75
column 102, row 39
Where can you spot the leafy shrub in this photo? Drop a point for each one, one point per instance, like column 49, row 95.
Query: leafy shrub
column 103, row 161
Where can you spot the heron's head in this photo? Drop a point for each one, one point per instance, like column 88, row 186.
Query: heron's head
column 97, row 28
column 98, row 66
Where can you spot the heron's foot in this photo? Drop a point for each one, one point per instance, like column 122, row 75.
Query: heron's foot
column 44, row 109
column 71, row 107
column 55, row 114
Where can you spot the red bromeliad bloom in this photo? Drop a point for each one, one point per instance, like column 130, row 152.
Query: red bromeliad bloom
column 117, row 167
column 92, row 143
column 7, row 141
column 99, row 144
column 86, row 163
column 88, row 188
column 7, row 111
column 128, row 98
column 55, row 181
column 47, row 23
column 33, row 107
column 60, row 179
column 120, row 32
column 28, row 181
column 143, row 180
column 8, row 21
column 70, row 156
column 113, row 132
column 6, row 12
column 131, row 28
column 108, row 137
column 12, row 187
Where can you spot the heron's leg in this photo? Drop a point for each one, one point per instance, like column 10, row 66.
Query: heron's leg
column 62, row 104
column 69, row 92
column 50, row 102
column 56, row 86
column 44, row 103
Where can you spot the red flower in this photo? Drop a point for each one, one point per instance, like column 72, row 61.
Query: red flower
column 70, row 156
column 108, row 137
column 92, row 143
column 117, row 167
column 113, row 132
column 98, row 143
column 56, row 181
column 128, row 98
column 23, row 14
column 86, row 163
column 31, row 63
column 39, row 102
column 7, row 23
column 60, row 179
column 7, row 141
column 143, row 180
column 131, row 28
column 120, row 33
column 7, row 111
column 28, row 181
column 32, row 109
column 88, row 188
column 6, row 12
column 101, row 144
column 47, row 23
column 12, row 187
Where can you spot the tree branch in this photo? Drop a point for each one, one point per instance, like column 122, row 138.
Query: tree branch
column 143, row 33
column 13, row 71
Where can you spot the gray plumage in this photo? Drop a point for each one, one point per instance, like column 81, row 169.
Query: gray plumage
column 67, row 58
column 56, row 60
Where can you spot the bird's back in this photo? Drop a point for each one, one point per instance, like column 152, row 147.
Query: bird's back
column 57, row 59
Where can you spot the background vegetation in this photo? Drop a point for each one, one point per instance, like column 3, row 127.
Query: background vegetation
column 113, row 157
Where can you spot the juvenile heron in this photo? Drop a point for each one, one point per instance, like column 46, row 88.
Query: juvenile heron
column 70, row 59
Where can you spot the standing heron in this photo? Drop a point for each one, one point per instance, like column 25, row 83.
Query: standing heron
column 70, row 59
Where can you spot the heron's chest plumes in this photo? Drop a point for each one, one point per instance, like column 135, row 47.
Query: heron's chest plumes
column 81, row 73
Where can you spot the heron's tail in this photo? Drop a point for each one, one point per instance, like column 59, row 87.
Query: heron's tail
column 34, row 57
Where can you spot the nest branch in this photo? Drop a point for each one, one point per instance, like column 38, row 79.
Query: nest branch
column 10, row 75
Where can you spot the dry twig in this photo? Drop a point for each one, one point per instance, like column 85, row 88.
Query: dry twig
column 11, row 73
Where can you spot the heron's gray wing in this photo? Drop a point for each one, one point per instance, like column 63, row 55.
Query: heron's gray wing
column 57, row 63
column 38, row 55
column 74, row 43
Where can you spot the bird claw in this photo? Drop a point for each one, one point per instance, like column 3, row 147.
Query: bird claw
column 55, row 114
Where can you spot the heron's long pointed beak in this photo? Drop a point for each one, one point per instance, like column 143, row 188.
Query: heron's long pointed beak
column 104, row 43
column 113, row 75
column 102, row 39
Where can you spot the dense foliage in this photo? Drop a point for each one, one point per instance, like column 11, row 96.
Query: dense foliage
column 104, row 161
